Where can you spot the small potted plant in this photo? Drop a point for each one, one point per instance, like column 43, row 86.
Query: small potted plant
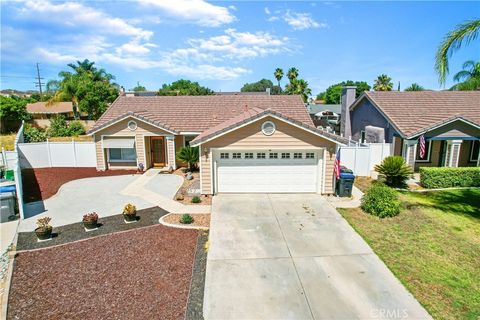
column 129, row 213
column 90, row 221
column 140, row 168
column 44, row 229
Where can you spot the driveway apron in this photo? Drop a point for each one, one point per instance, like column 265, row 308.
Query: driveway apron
column 294, row 257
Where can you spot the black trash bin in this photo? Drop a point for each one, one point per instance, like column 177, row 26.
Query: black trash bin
column 345, row 182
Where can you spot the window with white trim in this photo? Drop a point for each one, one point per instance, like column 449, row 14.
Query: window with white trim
column 224, row 155
column 426, row 157
column 122, row 154
column 273, row 155
column 261, row 155
column 285, row 155
column 248, row 155
column 297, row 155
column 268, row 128
column 309, row 155
column 474, row 150
column 236, row 155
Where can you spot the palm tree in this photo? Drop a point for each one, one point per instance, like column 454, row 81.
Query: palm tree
column 463, row 34
column 415, row 87
column 292, row 73
column 189, row 155
column 470, row 76
column 67, row 91
column 278, row 75
column 383, row 83
column 88, row 67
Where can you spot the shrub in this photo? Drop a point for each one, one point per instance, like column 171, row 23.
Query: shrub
column 381, row 201
column 58, row 126
column 395, row 170
column 129, row 209
column 93, row 216
column 434, row 178
column 33, row 134
column 196, row 199
column 75, row 128
column 188, row 155
column 186, row 219
column 44, row 223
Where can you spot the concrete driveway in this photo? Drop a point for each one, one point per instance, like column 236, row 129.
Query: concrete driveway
column 295, row 257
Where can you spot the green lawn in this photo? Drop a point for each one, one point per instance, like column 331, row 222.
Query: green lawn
column 433, row 247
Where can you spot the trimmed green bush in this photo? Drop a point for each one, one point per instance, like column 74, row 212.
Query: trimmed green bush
column 381, row 201
column 196, row 199
column 186, row 219
column 34, row 134
column 395, row 170
column 434, row 178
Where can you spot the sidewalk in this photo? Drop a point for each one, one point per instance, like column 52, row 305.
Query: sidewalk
column 353, row 202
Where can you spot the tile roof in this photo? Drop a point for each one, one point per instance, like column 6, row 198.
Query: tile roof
column 41, row 107
column 417, row 111
column 199, row 113
column 256, row 113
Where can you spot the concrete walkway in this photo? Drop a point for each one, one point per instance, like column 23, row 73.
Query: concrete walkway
column 295, row 257
column 142, row 188
column 353, row 202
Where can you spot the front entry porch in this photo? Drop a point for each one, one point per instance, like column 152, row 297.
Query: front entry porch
column 160, row 152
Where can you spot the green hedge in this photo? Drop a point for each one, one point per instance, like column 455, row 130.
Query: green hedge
column 434, row 178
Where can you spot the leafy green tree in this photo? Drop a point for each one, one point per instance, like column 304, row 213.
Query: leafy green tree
column 259, row 86
column 95, row 97
column 12, row 111
column 58, row 126
column 188, row 155
column 53, row 86
column 292, row 73
column 333, row 94
column 469, row 76
column 463, row 34
column 415, row 87
column 278, row 75
column 184, row 88
column 33, row 134
column 383, row 83
column 139, row 88
column 75, row 128
column 321, row 96
column 87, row 67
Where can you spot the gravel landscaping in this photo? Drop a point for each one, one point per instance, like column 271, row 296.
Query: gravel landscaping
column 184, row 194
column 195, row 297
column 199, row 220
column 76, row 231
column 42, row 183
column 144, row 273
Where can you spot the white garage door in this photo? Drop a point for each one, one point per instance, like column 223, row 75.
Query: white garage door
column 267, row 171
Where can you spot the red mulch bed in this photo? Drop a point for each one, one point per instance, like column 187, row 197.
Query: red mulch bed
column 140, row 274
column 42, row 183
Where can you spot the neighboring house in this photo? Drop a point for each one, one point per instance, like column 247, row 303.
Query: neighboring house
column 448, row 120
column 326, row 115
column 247, row 143
column 42, row 113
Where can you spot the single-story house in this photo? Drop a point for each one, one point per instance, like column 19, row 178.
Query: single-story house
column 449, row 121
column 247, row 143
column 42, row 113
column 325, row 115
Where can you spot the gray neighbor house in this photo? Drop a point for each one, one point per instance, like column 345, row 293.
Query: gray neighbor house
column 448, row 120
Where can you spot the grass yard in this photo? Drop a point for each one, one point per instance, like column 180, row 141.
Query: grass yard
column 7, row 141
column 433, row 247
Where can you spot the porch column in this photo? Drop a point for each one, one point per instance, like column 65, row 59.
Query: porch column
column 410, row 150
column 453, row 152
column 171, row 152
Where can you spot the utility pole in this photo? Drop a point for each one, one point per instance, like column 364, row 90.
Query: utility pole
column 39, row 82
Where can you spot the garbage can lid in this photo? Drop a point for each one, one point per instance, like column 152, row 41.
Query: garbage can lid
column 345, row 169
column 344, row 175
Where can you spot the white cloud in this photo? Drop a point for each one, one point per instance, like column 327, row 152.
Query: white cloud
column 196, row 11
column 78, row 15
column 267, row 11
column 300, row 21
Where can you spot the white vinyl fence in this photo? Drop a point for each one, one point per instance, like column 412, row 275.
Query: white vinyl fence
column 57, row 154
column 9, row 159
column 363, row 158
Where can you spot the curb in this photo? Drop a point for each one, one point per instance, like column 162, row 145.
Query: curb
column 171, row 225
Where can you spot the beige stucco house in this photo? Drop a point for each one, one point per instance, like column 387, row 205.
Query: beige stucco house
column 247, row 143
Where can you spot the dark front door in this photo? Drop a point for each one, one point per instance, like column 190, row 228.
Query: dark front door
column 158, row 151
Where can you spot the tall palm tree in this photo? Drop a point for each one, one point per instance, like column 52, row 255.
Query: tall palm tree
column 383, row 83
column 292, row 73
column 88, row 67
column 470, row 76
column 278, row 75
column 415, row 87
column 463, row 34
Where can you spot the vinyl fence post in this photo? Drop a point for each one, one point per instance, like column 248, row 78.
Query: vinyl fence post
column 355, row 159
column 49, row 154
column 74, row 152
column 4, row 158
column 383, row 147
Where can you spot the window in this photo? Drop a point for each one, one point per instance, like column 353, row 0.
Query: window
column 132, row 125
column 248, row 155
column 426, row 157
column 223, row 155
column 285, row 155
column 310, row 155
column 261, row 155
column 474, row 150
column 273, row 155
column 297, row 155
column 268, row 128
column 236, row 155
column 122, row 154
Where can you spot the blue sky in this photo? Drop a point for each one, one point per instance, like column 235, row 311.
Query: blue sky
column 225, row 44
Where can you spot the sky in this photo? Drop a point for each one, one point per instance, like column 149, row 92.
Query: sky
column 224, row 44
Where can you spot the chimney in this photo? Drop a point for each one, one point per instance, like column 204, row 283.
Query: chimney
column 268, row 91
column 122, row 91
column 348, row 98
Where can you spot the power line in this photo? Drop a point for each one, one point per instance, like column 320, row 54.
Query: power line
column 39, row 79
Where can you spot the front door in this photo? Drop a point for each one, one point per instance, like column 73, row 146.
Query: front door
column 158, row 151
